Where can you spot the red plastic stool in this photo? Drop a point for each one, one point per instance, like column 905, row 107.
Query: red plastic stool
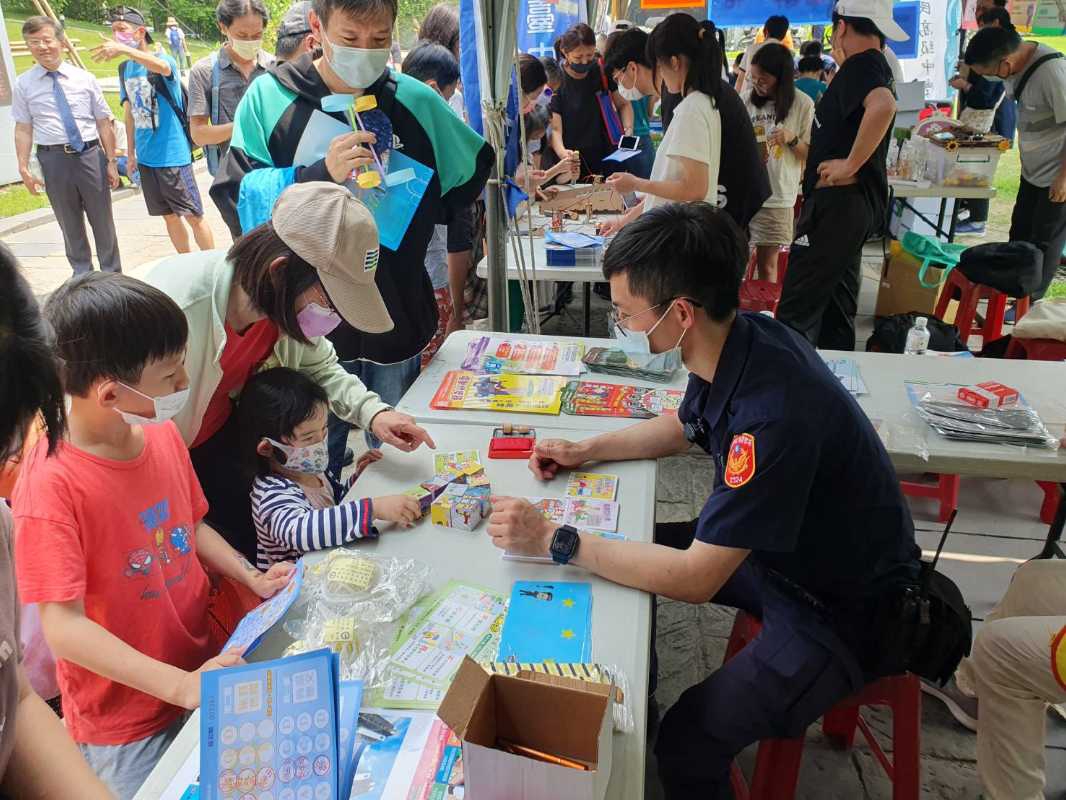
column 777, row 762
column 969, row 295
column 758, row 295
column 946, row 490
column 1041, row 350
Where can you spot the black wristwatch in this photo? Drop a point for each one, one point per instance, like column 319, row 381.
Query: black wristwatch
column 794, row 142
column 564, row 544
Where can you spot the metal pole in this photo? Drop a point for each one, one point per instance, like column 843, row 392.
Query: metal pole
column 496, row 257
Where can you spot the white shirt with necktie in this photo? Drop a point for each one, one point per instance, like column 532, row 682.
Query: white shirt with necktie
column 34, row 103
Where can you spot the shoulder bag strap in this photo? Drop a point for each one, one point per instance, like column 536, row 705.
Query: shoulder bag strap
column 1024, row 80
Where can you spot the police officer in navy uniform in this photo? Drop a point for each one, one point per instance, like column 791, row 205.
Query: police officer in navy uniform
column 805, row 527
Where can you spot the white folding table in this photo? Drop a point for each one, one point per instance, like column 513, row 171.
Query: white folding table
column 915, row 447
column 621, row 617
column 450, row 356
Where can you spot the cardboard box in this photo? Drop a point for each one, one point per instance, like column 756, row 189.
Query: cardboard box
column 989, row 394
column 900, row 291
column 561, row 716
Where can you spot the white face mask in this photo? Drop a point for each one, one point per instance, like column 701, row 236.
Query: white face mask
column 247, row 49
column 357, row 67
column 637, row 346
column 533, row 147
column 166, row 407
column 310, row 460
column 633, row 95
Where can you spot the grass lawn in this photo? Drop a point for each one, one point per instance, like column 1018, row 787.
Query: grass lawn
column 15, row 199
column 88, row 36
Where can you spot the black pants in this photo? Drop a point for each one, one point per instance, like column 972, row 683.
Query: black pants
column 218, row 466
column 1039, row 221
column 821, row 291
column 794, row 671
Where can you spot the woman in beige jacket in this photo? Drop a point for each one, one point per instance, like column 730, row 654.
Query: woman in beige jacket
column 269, row 301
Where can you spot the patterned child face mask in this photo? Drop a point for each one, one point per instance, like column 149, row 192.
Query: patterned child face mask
column 311, row 459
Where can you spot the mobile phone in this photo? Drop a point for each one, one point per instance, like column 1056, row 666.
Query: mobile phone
column 629, row 142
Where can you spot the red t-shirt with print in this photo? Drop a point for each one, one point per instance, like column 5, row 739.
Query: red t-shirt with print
column 120, row 536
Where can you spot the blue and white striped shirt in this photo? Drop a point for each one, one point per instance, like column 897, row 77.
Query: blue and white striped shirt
column 287, row 525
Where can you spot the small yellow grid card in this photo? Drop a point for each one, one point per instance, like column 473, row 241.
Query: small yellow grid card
column 339, row 630
column 354, row 572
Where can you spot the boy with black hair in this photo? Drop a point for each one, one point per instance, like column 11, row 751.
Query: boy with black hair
column 836, row 541
column 809, row 79
column 271, row 121
column 111, row 544
column 150, row 91
column 845, row 187
column 1035, row 75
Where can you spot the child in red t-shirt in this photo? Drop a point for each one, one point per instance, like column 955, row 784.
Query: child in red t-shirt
column 109, row 533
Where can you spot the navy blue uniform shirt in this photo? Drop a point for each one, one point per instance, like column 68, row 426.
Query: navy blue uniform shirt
column 802, row 477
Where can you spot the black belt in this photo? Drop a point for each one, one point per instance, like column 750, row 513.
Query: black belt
column 66, row 148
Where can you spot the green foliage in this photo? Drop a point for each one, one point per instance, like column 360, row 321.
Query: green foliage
column 410, row 16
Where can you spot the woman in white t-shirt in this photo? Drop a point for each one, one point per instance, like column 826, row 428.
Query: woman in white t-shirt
column 782, row 119
column 689, row 61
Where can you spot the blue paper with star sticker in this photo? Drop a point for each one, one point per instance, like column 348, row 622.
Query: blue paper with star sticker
column 548, row 621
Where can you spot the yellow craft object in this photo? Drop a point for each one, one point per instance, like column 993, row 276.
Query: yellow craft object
column 366, row 103
column 368, row 180
column 1004, row 145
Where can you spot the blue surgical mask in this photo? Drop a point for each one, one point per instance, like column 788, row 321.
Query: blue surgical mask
column 357, row 67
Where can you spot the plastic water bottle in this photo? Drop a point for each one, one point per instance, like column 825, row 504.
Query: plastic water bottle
column 917, row 338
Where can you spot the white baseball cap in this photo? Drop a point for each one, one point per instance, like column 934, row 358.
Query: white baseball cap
column 879, row 12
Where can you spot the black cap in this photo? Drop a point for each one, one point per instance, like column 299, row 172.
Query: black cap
column 133, row 17
column 296, row 22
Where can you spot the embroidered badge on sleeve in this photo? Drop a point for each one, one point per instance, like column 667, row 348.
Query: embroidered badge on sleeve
column 740, row 464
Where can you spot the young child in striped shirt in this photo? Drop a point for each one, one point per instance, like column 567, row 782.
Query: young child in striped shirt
column 295, row 507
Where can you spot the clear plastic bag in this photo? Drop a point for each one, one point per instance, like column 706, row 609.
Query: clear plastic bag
column 362, row 646
column 370, row 588
column 938, row 405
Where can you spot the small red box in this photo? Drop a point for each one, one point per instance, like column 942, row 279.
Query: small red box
column 989, row 394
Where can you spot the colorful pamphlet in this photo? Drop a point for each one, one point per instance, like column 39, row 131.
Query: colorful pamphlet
column 496, row 355
column 580, row 512
column 262, row 618
column 454, row 461
column 531, row 394
column 587, row 398
column 269, row 726
column 549, row 621
column 406, row 755
column 436, row 633
column 593, row 485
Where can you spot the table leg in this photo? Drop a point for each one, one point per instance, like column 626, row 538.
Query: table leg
column 952, row 224
column 588, row 306
column 940, row 217
column 1054, row 534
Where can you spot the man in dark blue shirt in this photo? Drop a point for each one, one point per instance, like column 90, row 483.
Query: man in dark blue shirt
column 805, row 526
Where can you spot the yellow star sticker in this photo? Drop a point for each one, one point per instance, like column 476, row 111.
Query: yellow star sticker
column 568, row 602
column 568, row 634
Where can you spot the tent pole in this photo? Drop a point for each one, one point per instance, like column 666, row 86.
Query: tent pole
column 496, row 254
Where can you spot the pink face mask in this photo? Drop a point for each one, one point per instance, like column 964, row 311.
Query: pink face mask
column 314, row 320
column 127, row 39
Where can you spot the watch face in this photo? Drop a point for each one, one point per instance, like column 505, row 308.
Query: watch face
column 565, row 541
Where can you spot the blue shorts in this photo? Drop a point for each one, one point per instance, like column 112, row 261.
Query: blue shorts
column 170, row 190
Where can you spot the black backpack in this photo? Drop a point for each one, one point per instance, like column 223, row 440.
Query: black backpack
column 890, row 334
column 160, row 89
column 1014, row 268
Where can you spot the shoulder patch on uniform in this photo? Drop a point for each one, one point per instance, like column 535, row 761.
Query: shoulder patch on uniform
column 740, row 464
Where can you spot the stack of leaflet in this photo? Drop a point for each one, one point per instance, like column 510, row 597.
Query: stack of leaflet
column 279, row 724
column 610, row 361
column 938, row 405
column 548, row 621
column 570, row 249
